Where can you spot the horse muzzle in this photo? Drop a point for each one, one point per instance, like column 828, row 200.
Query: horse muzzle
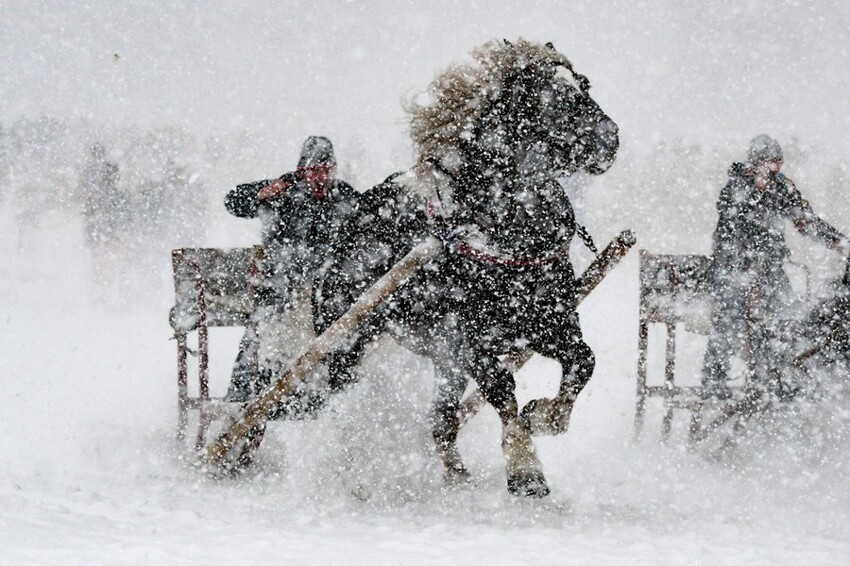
column 602, row 147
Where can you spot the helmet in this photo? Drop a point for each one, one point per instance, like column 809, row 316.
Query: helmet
column 764, row 148
column 317, row 150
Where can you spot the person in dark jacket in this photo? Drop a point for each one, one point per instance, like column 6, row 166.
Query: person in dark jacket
column 104, row 205
column 301, row 213
column 750, row 288
column 106, row 214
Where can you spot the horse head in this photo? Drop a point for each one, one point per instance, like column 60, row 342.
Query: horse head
column 503, row 130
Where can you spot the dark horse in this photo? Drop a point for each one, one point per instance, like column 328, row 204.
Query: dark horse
column 490, row 149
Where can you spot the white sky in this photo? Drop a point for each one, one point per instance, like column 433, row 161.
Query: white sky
column 284, row 69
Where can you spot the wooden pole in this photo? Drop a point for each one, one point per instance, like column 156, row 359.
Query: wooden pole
column 604, row 263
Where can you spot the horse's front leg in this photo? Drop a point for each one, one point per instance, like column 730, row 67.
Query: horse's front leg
column 524, row 471
column 549, row 417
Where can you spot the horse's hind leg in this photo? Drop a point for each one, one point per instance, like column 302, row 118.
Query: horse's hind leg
column 445, row 422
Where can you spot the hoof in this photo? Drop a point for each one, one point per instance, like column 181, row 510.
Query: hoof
column 546, row 417
column 457, row 476
column 528, row 485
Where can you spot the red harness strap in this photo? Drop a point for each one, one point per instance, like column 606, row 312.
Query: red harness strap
column 501, row 259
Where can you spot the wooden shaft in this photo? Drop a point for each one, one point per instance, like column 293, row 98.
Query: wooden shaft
column 604, row 263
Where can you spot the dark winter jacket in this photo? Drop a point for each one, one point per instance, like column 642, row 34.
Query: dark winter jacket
column 749, row 233
column 105, row 206
column 297, row 225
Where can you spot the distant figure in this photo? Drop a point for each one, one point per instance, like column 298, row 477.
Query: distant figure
column 300, row 212
column 105, row 214
column 750, row 288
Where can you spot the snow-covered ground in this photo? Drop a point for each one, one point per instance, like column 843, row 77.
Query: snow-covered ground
column 91, row 473
column 89, row 469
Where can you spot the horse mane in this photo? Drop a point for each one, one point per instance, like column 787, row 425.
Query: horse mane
column 459, row 96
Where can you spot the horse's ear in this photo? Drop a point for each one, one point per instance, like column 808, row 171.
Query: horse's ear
column 508, row 43
column 550, row 45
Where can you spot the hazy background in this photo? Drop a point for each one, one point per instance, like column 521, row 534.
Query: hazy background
column 663, row 68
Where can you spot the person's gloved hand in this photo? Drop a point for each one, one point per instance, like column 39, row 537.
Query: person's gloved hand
column 272, row 190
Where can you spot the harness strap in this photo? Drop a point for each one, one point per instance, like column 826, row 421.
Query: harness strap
column 504, row 259
column 435, row 163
